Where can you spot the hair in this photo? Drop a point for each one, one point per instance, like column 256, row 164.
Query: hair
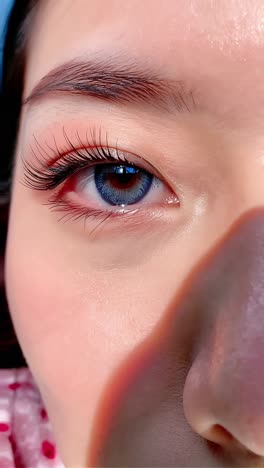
column 14, row 62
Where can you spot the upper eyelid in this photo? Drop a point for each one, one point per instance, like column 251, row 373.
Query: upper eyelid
column 43, row 176
column 53, row 153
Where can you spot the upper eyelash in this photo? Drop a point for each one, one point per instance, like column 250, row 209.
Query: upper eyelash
column 48, row 176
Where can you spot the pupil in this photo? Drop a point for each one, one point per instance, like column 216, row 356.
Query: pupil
column 122, row 176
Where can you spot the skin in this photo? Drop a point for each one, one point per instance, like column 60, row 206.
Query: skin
column 146, row 337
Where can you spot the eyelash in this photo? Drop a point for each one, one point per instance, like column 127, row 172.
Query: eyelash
column 49, row 174
column 70, row 161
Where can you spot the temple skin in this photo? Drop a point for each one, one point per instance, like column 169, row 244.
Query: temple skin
column 216, row 326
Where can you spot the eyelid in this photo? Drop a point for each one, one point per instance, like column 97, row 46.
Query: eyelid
column 97, row 141
column 129, row 158
column 86, row 150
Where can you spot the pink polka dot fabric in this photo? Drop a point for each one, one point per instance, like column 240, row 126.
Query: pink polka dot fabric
column 26, row 439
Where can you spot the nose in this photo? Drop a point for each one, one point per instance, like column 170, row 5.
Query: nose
column 223, row 395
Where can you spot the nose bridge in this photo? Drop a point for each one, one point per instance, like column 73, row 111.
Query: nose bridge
column 225, row 384
column 236, row 277
column 246, row 171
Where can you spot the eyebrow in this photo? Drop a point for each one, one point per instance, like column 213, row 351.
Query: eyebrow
column 114, row 82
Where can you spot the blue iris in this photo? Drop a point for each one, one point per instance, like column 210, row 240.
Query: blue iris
column 122, row 184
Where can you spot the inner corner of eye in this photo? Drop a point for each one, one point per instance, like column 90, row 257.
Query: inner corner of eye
column 173, row 200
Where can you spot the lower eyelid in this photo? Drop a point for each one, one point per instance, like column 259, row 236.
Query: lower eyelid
column 137, row 219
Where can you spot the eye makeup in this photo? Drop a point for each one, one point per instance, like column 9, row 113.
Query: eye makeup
column 92, row 179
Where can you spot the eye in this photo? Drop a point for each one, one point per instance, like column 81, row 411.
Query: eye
column 91, row 181
column 114, row 186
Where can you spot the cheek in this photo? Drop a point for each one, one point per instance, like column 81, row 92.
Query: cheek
column 78, row 323
column 75, row 326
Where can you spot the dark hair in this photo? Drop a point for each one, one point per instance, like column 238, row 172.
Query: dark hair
column 10, row 105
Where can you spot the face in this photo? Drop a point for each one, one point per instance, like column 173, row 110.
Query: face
column 134, row 260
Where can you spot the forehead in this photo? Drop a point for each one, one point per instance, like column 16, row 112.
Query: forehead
column 214, row 43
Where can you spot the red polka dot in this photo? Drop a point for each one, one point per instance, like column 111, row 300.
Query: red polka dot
column 48, row 449
column 14, row 385
column 43, row 413
column 4, row 427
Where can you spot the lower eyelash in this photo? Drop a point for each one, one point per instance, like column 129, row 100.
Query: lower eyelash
column 75, row 212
